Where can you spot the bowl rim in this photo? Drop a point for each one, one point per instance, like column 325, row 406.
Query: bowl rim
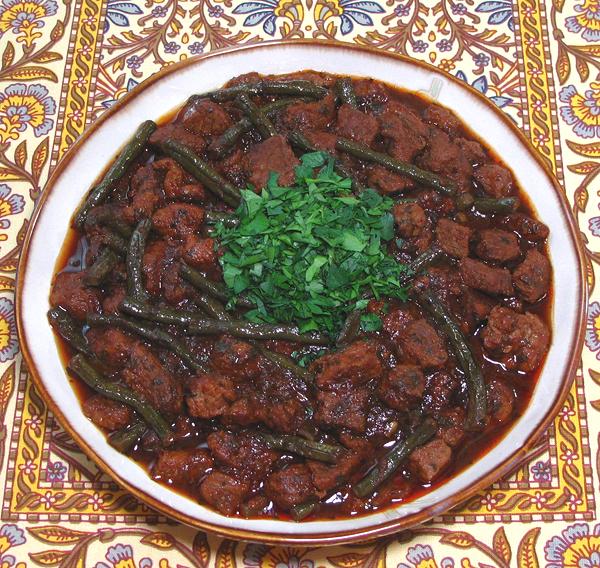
column 341, row 537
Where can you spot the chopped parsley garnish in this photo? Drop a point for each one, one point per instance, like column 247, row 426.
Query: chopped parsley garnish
column 307, row 254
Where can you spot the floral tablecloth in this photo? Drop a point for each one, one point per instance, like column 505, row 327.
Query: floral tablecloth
column 64, row 62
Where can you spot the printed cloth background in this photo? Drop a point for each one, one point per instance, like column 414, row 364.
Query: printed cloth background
column 64, row 62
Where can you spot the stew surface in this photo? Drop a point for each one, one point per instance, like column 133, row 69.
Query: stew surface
column 304, row 296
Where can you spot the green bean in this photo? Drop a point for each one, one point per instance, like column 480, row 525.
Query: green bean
column 300, row 512
column 300, row 141
column 345, row 91
column 293, row 87
column 107, row 217
column 212, row 217
column 152, row 334
column 102, row 267
column 124, row 440
column 84, row 369
column 203, row 172
column 135, row 260
column 210, row 305
column 386, row 466
column 215, row 289
column 68, row 328
column 256, row 116
column 476, row 390
column 424, row 177
column 286, row 363
column 296, row 445
column 169, row 316
column 502, row 206
column 223, row 143
column 420, row 263
column 116, row 171
column 249, row 330
column 350, row 328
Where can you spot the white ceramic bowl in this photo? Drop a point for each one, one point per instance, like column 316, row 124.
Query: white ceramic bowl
column 168, row 90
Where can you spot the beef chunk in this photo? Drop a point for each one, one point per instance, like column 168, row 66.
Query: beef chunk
column 441, row 117
column 473, row 151
column 111, row 345
column 310, row 116
column 146, row 193
column 443, row 156
column 356, row 125
column 519, row 341
column 235, row 359
column 177, row 184
column 372, row 93
column 201, row 254
column 382, row 179
column 113, row 299
column 440, row 390
column 286, row 413
column 406, row 132
column 272, row 155
column 357, row 364
column 497, row 245
column 500, row 399
column 410, row 219
column 532, row 277
column 224, row 492
column 453, row 238
column 327, row 477
column 475, row 307
column 422, row 343
column 178, row 131
column 206, row 118
column 430, row 460
column 247, row 410
column 210, row 395
column 70, row 292
column 494, row 179
column 396, row 320
column 451, row 425
column 322, row 140
column 343, row 409
column 486, row 278
column 528, row 228
column 147, row 376
column 290, row 486
column 178, row 220
column 158, row 258
column 402, row 388
column 434, row 202
column 174, row 288
column 107, row 413
column 182, row 467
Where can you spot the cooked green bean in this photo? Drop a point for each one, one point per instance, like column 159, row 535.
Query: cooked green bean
column 215, row 289
column 300, row 141
column 152, row 334
column 286, row 363
column 210, row 305
column 68, row 328
column 212, row 217
column 102, row 267
column 223, row 143
column 249, row 330
column 106, row 217
column 256, row 116
column 296, row 445
column 84, row 369
column 350, row 328
column 420, row 263
column 476, row 390
column 124, row 440
column 363, row 152
column 168, row 316
column 345, row 91
column 300, row 512
column 135, row 258
column 203, row 172
column 386, row 466
column 116, row 171
column 293, row 87
column 502, row 206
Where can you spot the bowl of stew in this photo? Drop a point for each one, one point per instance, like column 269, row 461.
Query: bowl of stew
column 283, row 300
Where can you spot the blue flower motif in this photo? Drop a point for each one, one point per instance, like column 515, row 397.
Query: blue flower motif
column 582, row 111
column 9, row 346
column 215, row 11
column 444, row 45
column 420, row 46
column 576, row 543
column 134, row 62
column 587, row 20
column 159, row 11
column 117, row 12
column 500, row 12
column 357, row 12
column 481, row 85
column 541, row 471
column 422, row 555
column 172, row 47
column 402, row 10
column 481, row 59
column 592, row 328
column 12, row 534
column 196, row 48
column 55, row 471
column 594, row 225
column 259, row 12
column 459, row 9
column 131, row 84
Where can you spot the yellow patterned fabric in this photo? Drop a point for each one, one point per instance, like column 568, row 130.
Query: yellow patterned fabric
column 64, row 62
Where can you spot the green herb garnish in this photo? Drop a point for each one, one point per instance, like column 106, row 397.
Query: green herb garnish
column 307, row 254
column 370, row 322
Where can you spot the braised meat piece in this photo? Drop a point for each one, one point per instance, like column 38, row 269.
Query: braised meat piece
column 290, row 486
column 177, row 184
column 496, row 245
column 444, row 157
column 486, row 278
column 343, row 409
column 385, row 181
column 327, row 477
column 441, row 117
column 146, row 193
column 519, row 341
column 532, row 277
column 439, row 392
column 201, row 254
column 209, row 395
column 451, row 422
column 177, row 220
column 272, row 155
column 500, row 399
column 402, row 388
column 235, row 359
column 182, row 467
column 111, row 345
column 224, row 492
column 70, row 292
column 495, row 180
column 410, row 219
column 453, row 238
column 356, row 125
column 206, row 118
column 107, row 413
column 430, row 460
column 422, row 343
column 309, row 116
column 406, row 132
column 528, row 228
